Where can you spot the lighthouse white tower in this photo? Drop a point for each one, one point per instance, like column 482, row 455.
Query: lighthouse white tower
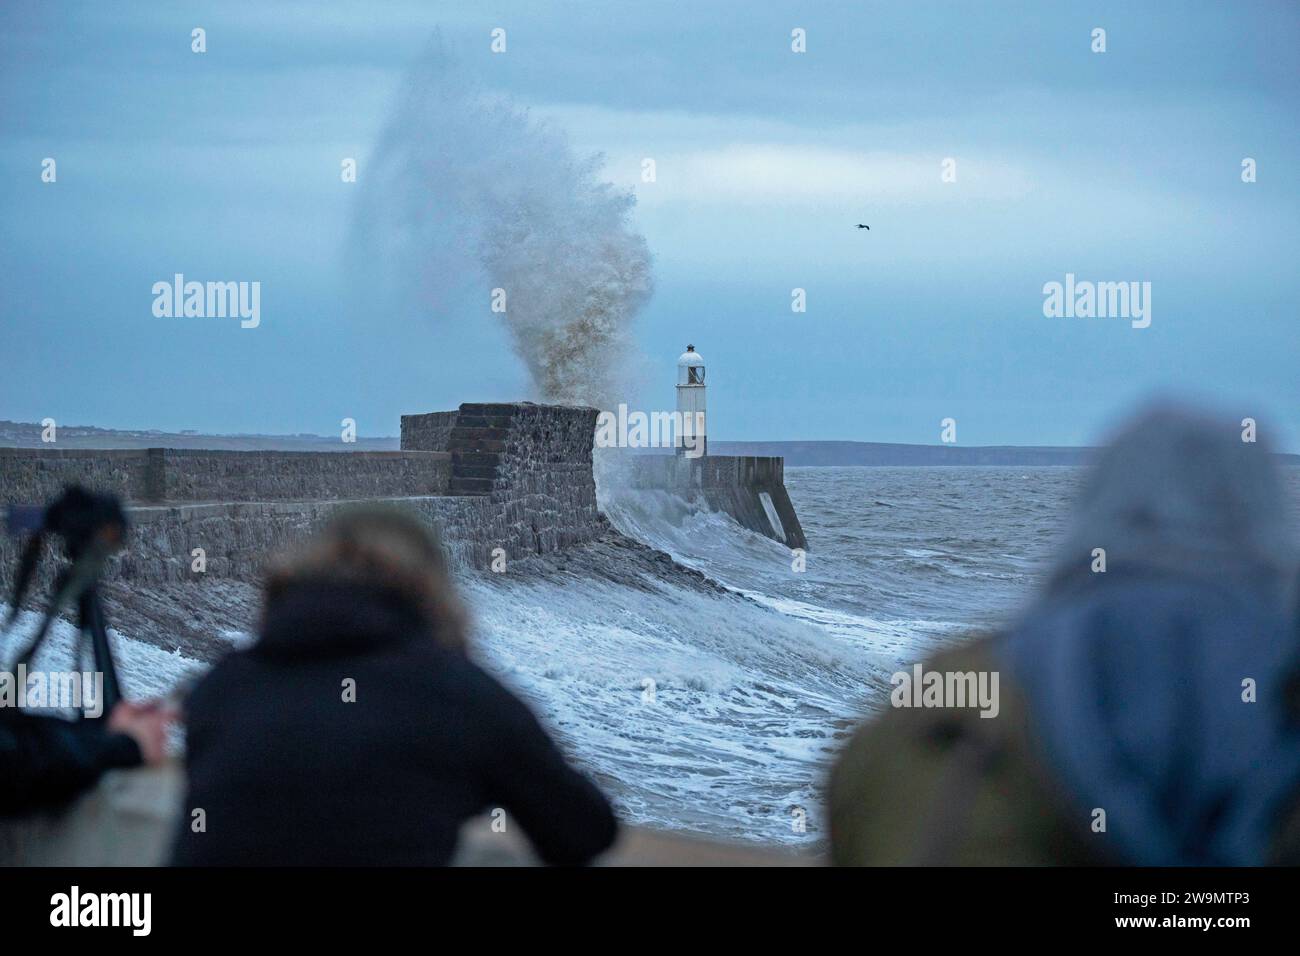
column 692, row 436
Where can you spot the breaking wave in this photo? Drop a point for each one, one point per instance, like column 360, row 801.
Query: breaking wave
column 466, row 193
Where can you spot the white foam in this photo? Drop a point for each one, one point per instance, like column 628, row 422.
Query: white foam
column 146, row 671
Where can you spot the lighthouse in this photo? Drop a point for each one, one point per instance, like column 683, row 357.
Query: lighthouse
column 692, row 437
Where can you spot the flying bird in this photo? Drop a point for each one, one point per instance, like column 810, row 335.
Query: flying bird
column 860, row 226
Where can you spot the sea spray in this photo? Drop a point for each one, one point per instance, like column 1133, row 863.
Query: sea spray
column 466, row 193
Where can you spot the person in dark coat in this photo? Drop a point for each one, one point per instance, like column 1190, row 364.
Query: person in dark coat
column 358, row 731
column 1148, row 711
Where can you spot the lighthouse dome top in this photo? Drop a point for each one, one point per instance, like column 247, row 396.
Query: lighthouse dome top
column 690, row 367
column 690, row 357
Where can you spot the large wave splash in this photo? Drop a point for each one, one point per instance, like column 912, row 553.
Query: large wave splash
column 466, row 193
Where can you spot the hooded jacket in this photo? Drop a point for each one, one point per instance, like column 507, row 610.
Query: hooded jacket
column 1159, row 687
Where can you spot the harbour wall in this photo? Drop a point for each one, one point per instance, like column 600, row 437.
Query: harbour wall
column 750, row 488
column 157, row 475
column 496, row 480
column 515, row 477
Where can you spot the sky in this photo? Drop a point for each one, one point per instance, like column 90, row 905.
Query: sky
column 1123, row 165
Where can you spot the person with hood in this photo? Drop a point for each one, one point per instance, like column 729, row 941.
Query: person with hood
column 357, row 730
column 1147, row 711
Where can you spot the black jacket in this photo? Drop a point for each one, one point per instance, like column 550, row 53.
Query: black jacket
column 46, row 761
column 288, row 773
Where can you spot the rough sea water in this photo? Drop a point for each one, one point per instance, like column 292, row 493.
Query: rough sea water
column 756, row 687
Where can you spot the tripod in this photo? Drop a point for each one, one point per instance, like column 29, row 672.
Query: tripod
column 78, row 582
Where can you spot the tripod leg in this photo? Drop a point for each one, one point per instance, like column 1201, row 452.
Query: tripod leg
column 51, row 615
column 92, row 622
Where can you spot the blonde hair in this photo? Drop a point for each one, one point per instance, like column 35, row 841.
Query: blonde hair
column 384, row 548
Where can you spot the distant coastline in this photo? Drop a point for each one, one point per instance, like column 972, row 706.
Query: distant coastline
column 28, row 435
column 817, row 454
column 868, row 454
column 829, row 454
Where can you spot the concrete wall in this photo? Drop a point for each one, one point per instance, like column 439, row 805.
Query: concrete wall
column 532, row 462
column 193, row 475
column 514, row 476
column 427, row 432
column 518, row 477
column 733, row 484
column 35, row 475
column 238, row 537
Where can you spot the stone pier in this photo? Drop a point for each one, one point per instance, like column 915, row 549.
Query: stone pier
column 750, row 488
column 511, row 476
